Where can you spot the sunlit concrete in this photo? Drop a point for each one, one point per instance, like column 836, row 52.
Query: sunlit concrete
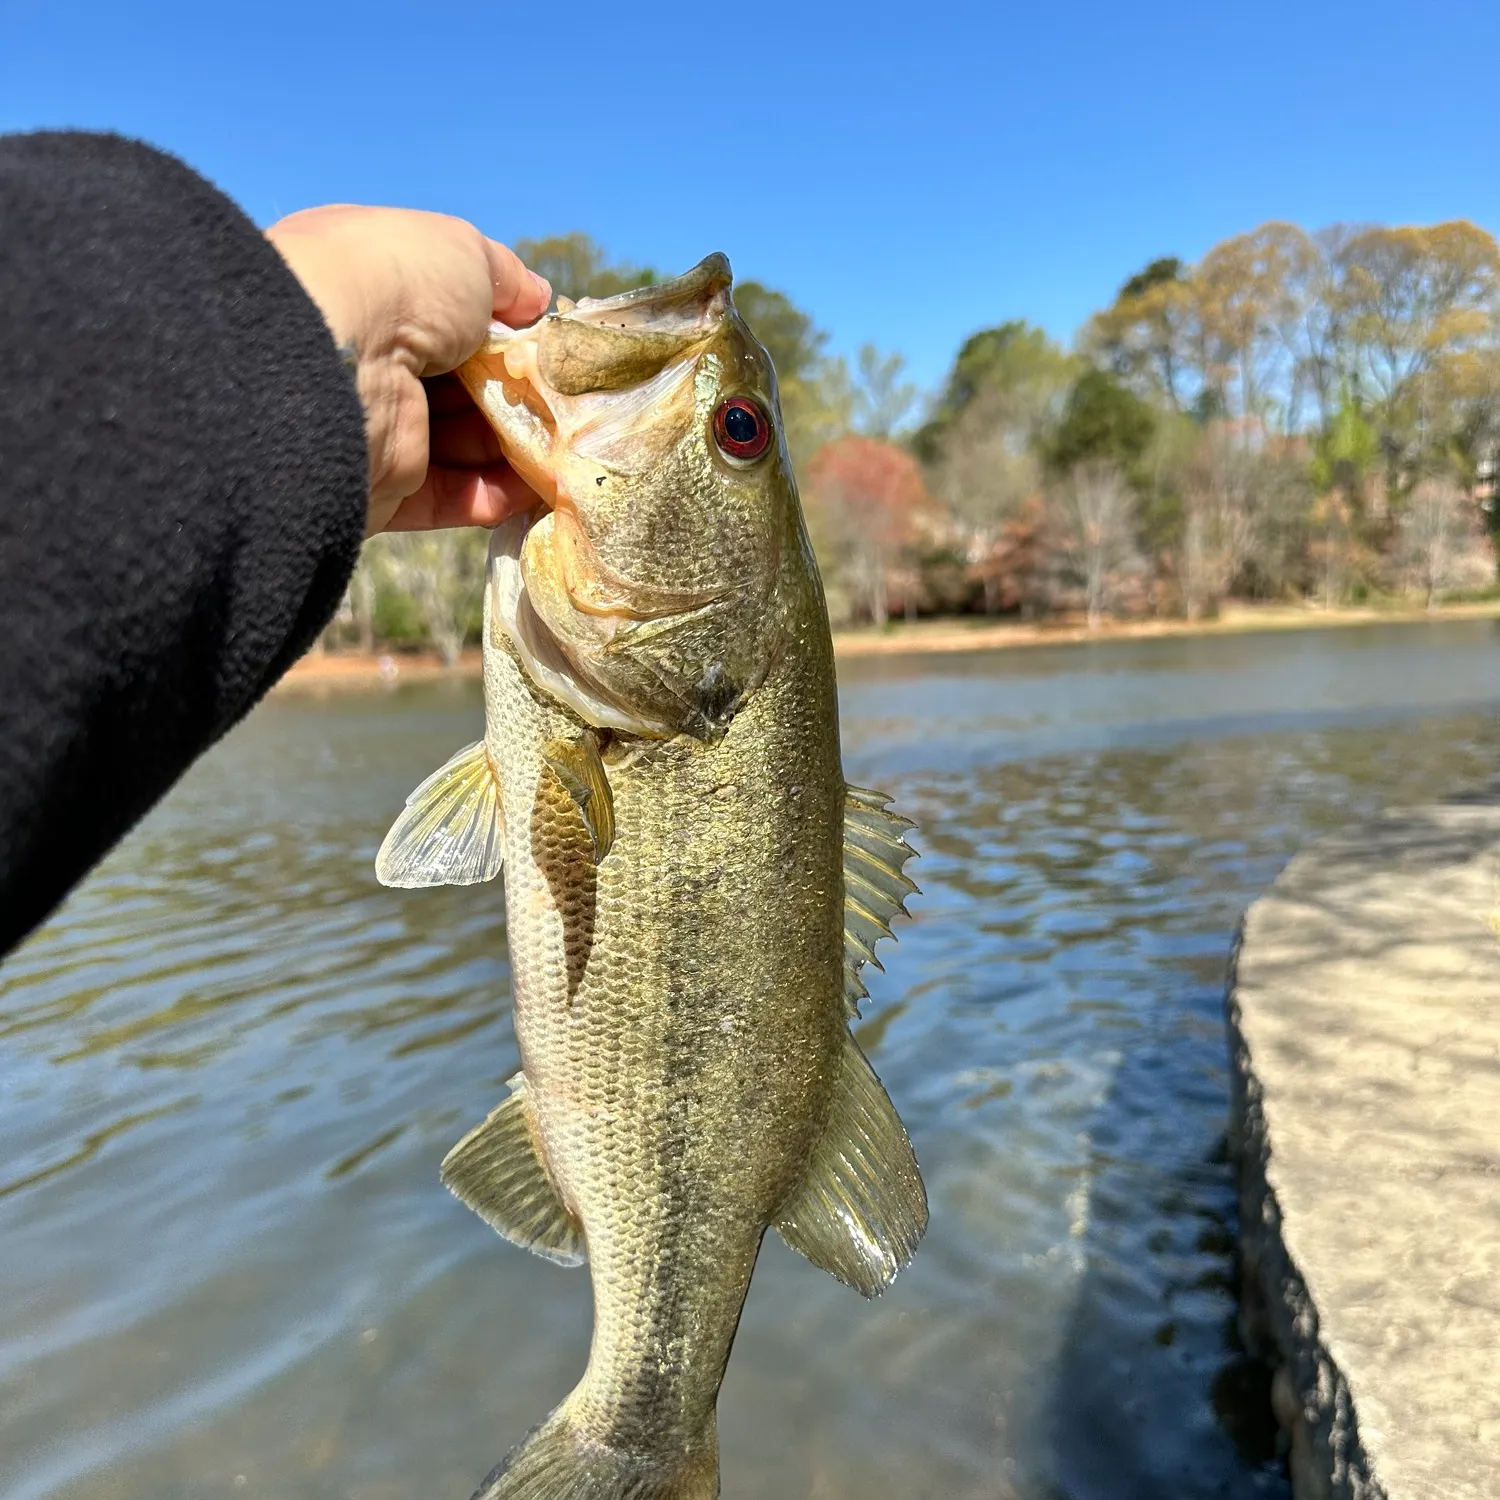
column 1364, row 1014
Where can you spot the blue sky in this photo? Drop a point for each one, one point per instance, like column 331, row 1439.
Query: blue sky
column 907, row 173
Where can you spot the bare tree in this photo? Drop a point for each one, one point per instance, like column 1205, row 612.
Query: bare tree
column 1245, row 294
column 1315, row 335
column 1439, row 545
column 986, row 467
column 1221, row 495
column 442, row 573
column 882, row 399
column 1093, row 536
column 1200, row 572
column 987, row 473
column 356, row 611
column 362, row 603
column 1279, row 562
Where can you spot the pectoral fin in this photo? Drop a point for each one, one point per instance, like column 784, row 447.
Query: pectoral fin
column 452, row 831
column 497, row 1169
column 861, row 1209
column 875, row 890
column 578, row 768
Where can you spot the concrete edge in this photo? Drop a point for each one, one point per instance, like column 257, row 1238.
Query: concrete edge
column 1278, row 1321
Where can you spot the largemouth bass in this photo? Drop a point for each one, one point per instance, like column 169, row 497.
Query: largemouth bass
column 691, row 888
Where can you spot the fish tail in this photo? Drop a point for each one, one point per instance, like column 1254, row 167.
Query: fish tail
column 558, row 1462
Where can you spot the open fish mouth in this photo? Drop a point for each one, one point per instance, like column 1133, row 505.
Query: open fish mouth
column 601, row 389
column 595, row 378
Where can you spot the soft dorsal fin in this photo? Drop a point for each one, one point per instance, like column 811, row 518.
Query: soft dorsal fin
column 875, row 889
column 861, row 1209
column 452, row 831
column 498, row 1170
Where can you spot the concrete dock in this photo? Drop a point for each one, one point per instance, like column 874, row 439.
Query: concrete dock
column 1364, row 1019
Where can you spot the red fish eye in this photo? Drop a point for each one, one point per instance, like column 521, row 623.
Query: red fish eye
column 741, row 428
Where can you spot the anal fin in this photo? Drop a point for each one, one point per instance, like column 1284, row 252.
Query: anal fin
column 861, row 1210
column 497, row 1169
column 452, row 830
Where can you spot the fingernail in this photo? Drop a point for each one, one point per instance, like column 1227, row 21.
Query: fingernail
column 541, row 284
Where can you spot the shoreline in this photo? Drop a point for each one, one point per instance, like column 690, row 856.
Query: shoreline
column 333, row 670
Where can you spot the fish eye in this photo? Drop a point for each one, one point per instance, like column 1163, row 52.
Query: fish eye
column 741, row 428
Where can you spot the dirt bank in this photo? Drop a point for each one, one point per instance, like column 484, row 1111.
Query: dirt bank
column 336, row 670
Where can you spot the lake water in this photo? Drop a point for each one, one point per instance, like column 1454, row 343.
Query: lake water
column 230, row 1067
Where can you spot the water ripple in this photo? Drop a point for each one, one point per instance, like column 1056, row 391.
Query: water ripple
column 230, row 1067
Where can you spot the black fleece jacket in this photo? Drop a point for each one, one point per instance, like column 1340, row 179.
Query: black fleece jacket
column 182, row 491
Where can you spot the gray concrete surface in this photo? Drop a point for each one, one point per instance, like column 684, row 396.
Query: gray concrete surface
column 1364, row 1018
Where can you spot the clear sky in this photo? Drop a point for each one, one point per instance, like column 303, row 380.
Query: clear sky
column 907, row 173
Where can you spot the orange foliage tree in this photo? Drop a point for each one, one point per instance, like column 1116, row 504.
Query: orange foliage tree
column 871, row 510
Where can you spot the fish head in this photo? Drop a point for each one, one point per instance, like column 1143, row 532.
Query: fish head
column 648, row 591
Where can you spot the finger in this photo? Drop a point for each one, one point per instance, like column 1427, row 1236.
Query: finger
column 463, row 497
column 447, row 393
column 446, row 288
column 463, row 440
column 460, row 436
column 521, row 296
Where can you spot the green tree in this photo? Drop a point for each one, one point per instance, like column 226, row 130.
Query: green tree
column 1345, row 456
column 817, row 399
column 441, row 574
column 983, row 446
column 1102, row 422
column 1016, row 359
column 1419, row 308
column 794, row 342
column 1146, row 335
column 1346, row 451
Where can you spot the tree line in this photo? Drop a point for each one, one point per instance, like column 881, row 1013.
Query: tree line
column 1298, row 416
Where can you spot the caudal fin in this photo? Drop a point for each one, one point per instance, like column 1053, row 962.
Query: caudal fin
column 557, row 1462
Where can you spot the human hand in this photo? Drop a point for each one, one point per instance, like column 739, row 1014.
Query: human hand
column 414, row 294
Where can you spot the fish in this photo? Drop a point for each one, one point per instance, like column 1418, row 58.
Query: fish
column 691, row 888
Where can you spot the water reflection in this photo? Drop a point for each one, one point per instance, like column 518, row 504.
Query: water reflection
column 230, row 1068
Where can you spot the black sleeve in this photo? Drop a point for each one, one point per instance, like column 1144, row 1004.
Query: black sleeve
column 182, row 491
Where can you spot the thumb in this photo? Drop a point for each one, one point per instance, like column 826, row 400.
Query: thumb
column 520, row 295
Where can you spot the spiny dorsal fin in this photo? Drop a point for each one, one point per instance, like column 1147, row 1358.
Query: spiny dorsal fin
column 861, row 1209
column 875, row 890
column 497, row 1169
column 577, row 766
column 452, row 831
